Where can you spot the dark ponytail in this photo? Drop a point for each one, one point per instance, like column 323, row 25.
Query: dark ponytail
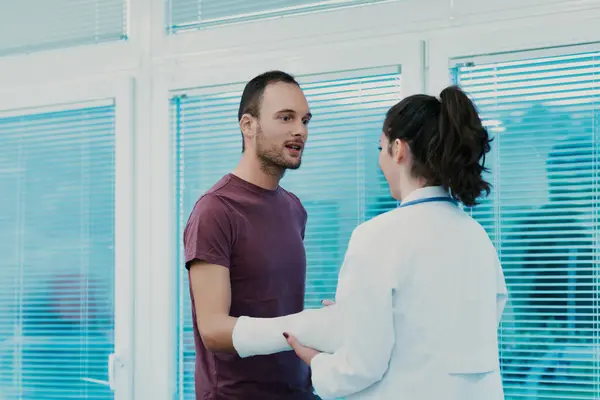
column 464, row 142
column 447, row 140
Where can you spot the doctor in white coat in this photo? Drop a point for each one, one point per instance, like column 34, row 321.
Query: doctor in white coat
column 421, row 290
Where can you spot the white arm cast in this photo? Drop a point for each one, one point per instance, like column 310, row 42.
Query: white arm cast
column 262, row 336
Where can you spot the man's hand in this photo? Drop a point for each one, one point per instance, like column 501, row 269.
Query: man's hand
column 306, row 354
column 327, row 303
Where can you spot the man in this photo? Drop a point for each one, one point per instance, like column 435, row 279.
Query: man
column 244, row 249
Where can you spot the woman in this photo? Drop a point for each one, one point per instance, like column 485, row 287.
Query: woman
column 421, row 290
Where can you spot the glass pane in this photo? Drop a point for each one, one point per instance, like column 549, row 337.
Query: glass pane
column 194, row 14
column 33, row 25
column 543, row 215
column 57, row 246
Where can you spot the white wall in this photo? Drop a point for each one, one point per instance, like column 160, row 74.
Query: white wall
column 421, row 35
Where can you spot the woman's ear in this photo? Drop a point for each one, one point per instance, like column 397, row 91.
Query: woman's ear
column 399, row 150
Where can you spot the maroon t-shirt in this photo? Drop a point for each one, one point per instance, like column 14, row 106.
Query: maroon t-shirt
column 258, row 234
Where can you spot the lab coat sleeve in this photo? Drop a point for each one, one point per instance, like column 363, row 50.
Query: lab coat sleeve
column 262, row 336
column 364, row 298
column 501, row 292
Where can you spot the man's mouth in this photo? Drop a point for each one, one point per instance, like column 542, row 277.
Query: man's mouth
column 294, row 147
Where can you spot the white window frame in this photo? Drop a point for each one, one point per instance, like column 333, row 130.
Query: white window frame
column 408, row 19
column 291, row 32
column 193, row 72
column 64, row 64
column 509, row 40
column 519, row 39
column 32, row 99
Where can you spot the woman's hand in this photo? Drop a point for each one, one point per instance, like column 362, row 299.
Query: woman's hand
column 306, row 354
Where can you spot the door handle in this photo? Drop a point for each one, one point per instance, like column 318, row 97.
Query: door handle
column 114, row 362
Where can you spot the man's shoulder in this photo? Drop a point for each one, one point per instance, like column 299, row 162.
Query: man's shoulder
column 214, row 200
column 210, row 202
column 292, row 198
column 221, row 188
column 296, row 204
column 209, row 209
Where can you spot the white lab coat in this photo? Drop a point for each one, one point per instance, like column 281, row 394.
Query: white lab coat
column 419, row 299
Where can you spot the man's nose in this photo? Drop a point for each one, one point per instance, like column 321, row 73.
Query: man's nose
column 301, row 130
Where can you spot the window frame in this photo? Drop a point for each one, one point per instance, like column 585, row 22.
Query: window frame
column 32, row 99
column 258, row 15
column 501, row 42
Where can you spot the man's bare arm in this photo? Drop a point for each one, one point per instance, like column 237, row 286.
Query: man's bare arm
column 212, row 297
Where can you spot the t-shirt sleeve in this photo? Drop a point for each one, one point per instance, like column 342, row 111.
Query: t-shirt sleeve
column 208, row 235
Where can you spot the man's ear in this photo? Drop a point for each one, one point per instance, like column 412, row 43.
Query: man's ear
column 247, row 126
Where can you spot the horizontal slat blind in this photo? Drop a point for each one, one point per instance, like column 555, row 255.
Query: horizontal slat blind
column 33, row 25
column 57, row 245
column 193, row 14
column 543, row 215
column 339, row 182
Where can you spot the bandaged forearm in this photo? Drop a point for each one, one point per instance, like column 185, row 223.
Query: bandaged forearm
column 262, row 336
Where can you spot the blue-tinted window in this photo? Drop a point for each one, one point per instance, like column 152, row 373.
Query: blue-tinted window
column 57, row 246
column 543, row 216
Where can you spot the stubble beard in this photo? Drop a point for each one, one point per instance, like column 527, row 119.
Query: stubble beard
column 272, row 160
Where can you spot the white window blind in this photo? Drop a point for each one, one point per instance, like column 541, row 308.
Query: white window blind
column 543, row 215
column 339, row 183
column 57, row 245
column 33, row 25
column 193, row 14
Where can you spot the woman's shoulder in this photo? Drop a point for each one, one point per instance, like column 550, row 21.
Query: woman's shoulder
column 379, row 227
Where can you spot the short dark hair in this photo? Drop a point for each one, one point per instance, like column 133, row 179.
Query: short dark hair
column 254, row 90
column 447, row 139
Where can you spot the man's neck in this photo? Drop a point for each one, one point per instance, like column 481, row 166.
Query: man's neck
column 251, row 170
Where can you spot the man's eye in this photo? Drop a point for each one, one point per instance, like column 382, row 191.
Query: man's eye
column 285, row 118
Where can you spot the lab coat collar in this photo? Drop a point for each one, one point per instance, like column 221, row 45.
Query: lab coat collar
column 426, row 193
